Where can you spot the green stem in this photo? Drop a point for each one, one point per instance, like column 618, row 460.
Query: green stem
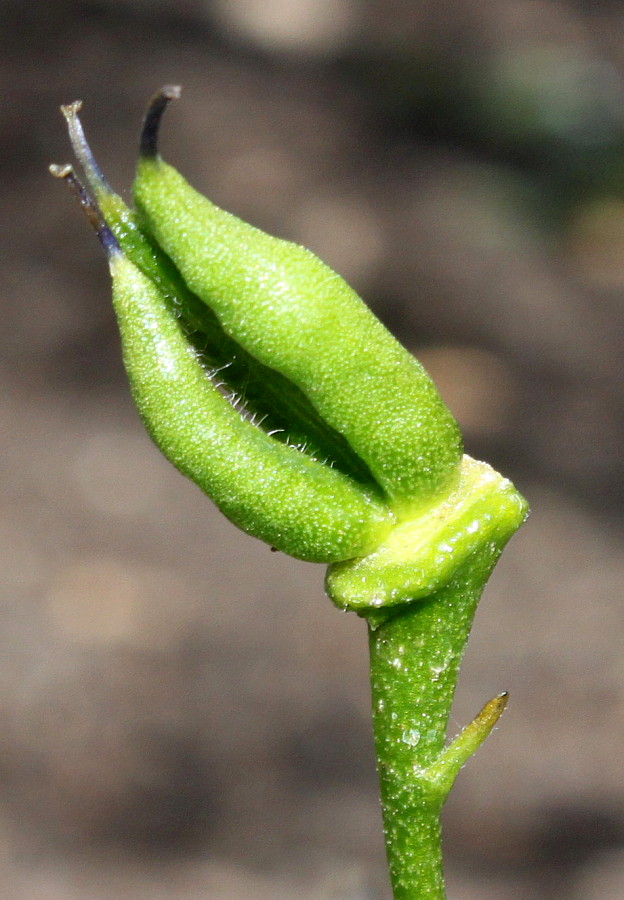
column 415, row 656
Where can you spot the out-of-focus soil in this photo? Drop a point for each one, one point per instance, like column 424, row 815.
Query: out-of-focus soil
column 182, row 713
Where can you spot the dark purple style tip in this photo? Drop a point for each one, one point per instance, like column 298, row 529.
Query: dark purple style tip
column 148, row 146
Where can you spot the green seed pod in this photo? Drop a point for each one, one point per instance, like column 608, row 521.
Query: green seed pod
column 318, row 413
column 264, row 291
column 269, row 489
column 277, row 405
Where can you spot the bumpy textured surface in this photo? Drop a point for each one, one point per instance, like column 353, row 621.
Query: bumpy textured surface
column 294, row 314
column 268, row 489
column 270, row 399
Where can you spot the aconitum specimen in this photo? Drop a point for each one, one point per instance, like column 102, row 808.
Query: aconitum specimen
column 265, row 379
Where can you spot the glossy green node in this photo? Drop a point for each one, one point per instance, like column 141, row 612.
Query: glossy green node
column 421, row 556
column 295, row 315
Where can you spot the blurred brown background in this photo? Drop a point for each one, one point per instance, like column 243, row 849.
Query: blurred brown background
column 182, row 714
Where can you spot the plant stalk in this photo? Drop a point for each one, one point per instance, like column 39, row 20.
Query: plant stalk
column 415, row 656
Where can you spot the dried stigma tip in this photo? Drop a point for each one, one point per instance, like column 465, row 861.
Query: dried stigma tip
column 151, row 124
column 65, row 171
column 68, row 174
column 81, row 148
column 92, row 211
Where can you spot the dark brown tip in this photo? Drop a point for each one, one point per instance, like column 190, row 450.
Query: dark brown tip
column 92, row 211
column 148, row 147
